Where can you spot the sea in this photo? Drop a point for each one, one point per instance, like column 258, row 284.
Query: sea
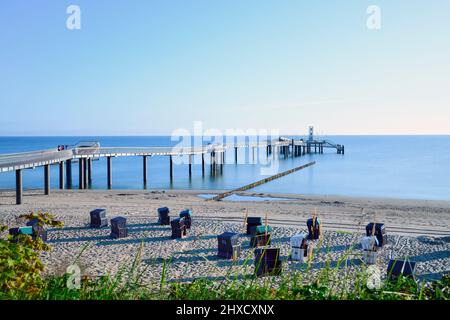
column 404, row 167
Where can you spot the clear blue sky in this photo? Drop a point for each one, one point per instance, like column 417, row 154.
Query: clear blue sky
column 152, row 66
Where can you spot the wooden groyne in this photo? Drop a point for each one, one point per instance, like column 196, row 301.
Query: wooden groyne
column 260, row 182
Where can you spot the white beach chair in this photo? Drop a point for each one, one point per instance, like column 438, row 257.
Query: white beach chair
column 297, row 252
column 369, row 245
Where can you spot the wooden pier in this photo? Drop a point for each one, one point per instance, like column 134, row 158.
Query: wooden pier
column 84, row 155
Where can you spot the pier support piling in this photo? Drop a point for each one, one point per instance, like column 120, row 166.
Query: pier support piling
column 69, row 173
column 80, row 174
column 61, row 175
column 190, row 166
column 235, row 154
column 213, row 163
column 218, row 162
column 19, row 189
column 85, row 173
column 171, row 168
column 144, row 169
column 89, row 170
column 203, row 164
column 47, row 179
column 109, row 171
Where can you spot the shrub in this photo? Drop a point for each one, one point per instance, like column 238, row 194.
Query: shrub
column 20, row 266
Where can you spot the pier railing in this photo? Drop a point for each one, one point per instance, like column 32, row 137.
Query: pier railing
column 130, row 151
column 21, row 154
column 11, row 162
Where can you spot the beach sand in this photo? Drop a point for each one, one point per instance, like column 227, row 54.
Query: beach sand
column 413, row 217
column 416, row 228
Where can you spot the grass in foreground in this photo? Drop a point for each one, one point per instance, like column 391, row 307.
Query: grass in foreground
column 328, row 284
column 288, row 288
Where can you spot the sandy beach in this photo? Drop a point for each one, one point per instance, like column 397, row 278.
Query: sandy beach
column 416, row 228
column 401, row 216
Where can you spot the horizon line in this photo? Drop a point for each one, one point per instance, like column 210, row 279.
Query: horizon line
column 238, row 135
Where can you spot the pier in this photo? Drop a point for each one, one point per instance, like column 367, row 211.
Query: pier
column 85, row 153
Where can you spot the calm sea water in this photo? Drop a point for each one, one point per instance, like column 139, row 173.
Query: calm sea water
column 410, row 167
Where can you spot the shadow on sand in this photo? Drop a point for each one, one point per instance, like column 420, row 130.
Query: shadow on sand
column 298, row 266
column 79, row 239
column 140, row 240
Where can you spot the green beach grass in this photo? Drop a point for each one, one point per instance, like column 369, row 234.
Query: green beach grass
column 284, row 287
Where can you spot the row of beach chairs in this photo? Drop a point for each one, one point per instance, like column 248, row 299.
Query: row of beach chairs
column 267, row 258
